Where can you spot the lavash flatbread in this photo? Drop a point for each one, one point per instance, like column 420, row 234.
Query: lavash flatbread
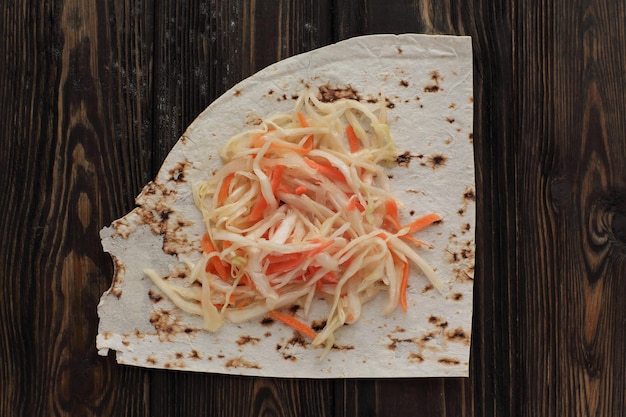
column 427, row 84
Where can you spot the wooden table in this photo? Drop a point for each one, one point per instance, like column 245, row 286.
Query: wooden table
column 94, row 94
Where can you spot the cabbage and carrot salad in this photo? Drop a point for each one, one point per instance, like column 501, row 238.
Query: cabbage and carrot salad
column 302, row 210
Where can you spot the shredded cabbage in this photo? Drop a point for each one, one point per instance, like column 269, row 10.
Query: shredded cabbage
column 299, row 213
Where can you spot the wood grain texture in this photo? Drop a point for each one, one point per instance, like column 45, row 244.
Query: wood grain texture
column 94, row 94
column 572, row 200
column 71, row 103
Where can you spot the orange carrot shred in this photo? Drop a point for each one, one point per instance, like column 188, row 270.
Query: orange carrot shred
column 326, row 170
column 276, row 177
column 215, row 261
column 422, row 222
column 403, row 286
column 294, row 323
column 307, row 146
column 258, row 209
column 300, row 190
column 415, row 241
column 391, row 214
column 302, row 120
column 224, row 189
column 353, row 140
column 283, row 263
column 354, row 203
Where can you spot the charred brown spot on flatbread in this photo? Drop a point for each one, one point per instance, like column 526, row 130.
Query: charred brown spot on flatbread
column 415, row 357
column 342, row 347
column 266, row 321
column 437, row 161
column 247, row 340
column 318, row 326
column 403, row 83
column 435, row 86
column 118, row 277
column 463, row 274
column 404, row 159
column 457, row 296
column 450, row 120
column 177, row 174
column 389, row 104
column 427, row 287
column 469, row 194
column 438, row 321
column 152, row 360
column 328, row 94
column 193, row 354
column 241, row 363
column 399, row 50
column 154, row 296
column 447, row 361
column 395, row 341
column 296, row 340
column 458, row 335
column 165, row 324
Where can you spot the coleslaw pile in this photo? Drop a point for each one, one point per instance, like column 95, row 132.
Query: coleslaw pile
column 302, row 210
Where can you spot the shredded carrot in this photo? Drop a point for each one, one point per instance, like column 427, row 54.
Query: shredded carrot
column 283, row 263
column 307, row 146
column 223, row 193
column 302, row 119
column 215, row 261
column 276, row 177
column 206, row 244
column 353, row 204
column 294, row 323
column 258, row 209
column 326, row 169
column 391, row 214
column 415, row 241
column 330, row 277
column 300, row 190
column 403, row 286
column 422, row 222
column 353, row 139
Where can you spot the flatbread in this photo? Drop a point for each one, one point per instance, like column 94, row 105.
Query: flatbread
column 427, row 84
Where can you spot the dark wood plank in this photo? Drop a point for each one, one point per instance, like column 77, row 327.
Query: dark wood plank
column 74, row 87
column 572, row 203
